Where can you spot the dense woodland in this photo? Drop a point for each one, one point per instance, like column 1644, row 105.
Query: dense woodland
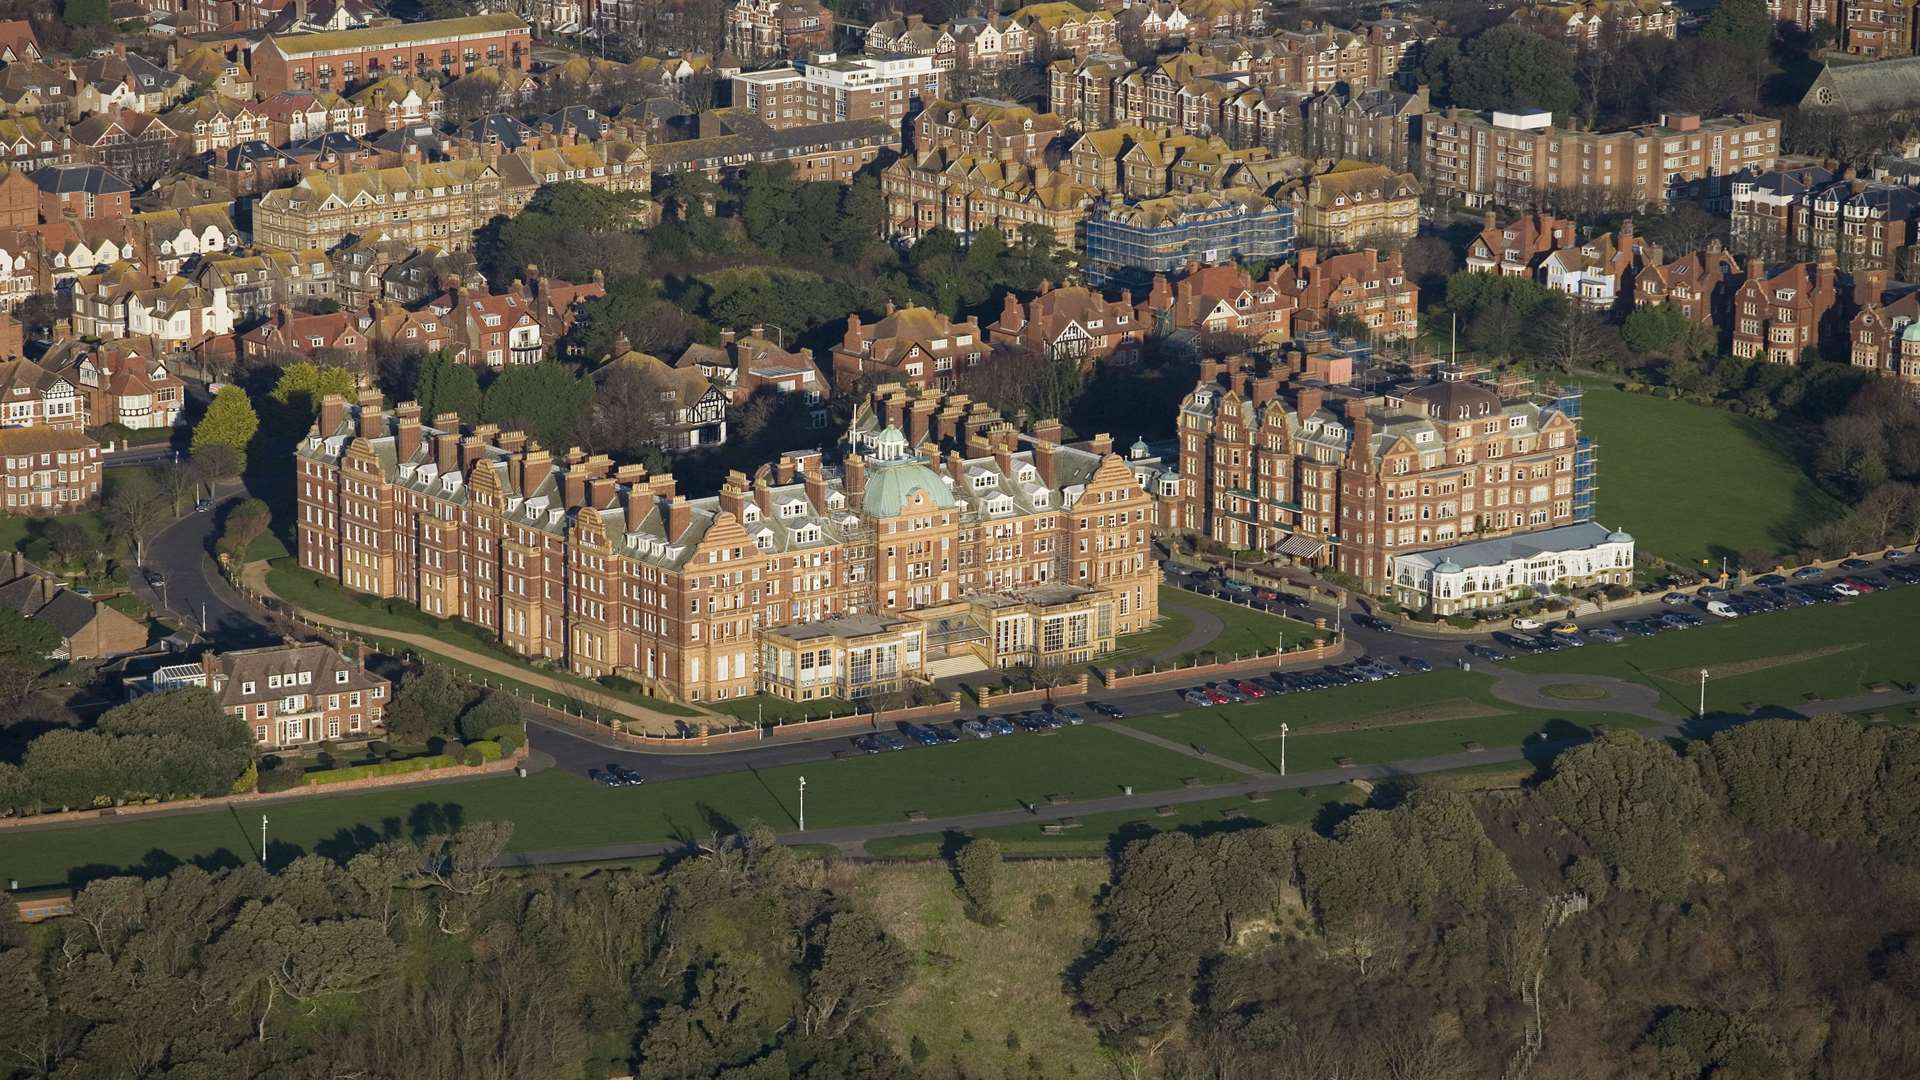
column 1738, row 908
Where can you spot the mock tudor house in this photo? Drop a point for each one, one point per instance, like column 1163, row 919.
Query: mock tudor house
column 1069, row 322
column 917, row 346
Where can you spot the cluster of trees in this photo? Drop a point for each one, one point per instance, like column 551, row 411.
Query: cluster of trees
column 414, row 955
column 1514, row 316
column 434, row 705
column 174, row 745
column 1613, row 81
column 1643, row 912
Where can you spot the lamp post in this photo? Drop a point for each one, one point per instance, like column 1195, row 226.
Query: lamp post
column 263, row 839
column 1703, row 693
column 1283, row 749
column 803, row 804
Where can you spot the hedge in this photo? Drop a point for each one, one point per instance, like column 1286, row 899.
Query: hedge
column 486, row 749
column 509, row 736
column 385, row 768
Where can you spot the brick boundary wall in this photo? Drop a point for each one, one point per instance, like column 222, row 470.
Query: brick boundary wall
column 1013, row 699
column 1201, row 672
column 109, row 813
column 739, row 735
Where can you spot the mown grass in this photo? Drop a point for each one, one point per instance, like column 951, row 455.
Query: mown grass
column 1778, row 658
column 554, row 810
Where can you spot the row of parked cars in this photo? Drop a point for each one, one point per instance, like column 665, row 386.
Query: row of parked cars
column 1367, row 669
column 616, row 775
column 981, row 727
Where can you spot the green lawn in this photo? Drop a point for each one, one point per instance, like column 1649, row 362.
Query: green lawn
column 556, row 810
column 1412, row 716
column 1172, row 628
column 1244, row 630
column 1692, row 482
column 1829, row 651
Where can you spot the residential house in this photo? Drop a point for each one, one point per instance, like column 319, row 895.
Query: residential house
column 1375, row 124
column 1363, row 285
column 296, row 696
column 912, row 346
column 763, row 30
column 32, row 396
column 500, row 330
column 1779, row 316
column 1518, row 249
column 171, row 238
column 85, row 192
column 28, row 143
column 1700, row 284
column 1355, row 203
column 88, row 628
column 966, row 194
column 120, row 382
column 178, row 315
column 18, row 42
column 1220, row 299
column 987, row 128
column 121, row 80
column 442, row 203
column 1071, row 322
column 216, row 122
column 1599, row 272
column 1883, row 338
column 693, row 409
column 335, row 338
column 133, row 146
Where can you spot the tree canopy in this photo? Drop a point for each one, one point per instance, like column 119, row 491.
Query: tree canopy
column 229, row 421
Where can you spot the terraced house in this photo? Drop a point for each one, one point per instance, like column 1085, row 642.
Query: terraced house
column 441, row 203
column 991, row 548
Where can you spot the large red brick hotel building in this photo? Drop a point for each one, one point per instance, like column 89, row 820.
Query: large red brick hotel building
column 336, row 59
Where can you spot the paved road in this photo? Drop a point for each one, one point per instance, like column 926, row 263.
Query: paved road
column 182, row 554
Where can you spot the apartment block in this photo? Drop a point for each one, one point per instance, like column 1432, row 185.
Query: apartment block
column 1522, row 160
column 1004, row 547
column 1779, row 315
column 762, row 30
column 49, row 470
column 1355, row 202
column 333, row 60
column 290, row 696
column 830, row 89
column 986, row 128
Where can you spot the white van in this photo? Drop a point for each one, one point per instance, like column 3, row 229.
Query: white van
column 1716, row 607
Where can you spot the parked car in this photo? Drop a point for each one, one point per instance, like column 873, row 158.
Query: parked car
column 1675, row 599
column 1861, row 585
column 202, row 506
column 1374, row 622
column 1711, row 592
column 1896, row 553
column 1112, row 712
column 81, row 590
column 889, row 742
column 977, row 729
column 1001, row 725
column 1486, row 652
column 1416, row 663
column 1855, row 564
column 947, row 734
column 1806, row 572
column 1606, row 634
column 1770, row 580
column 1636, row 627
column 867, row 744
column 1522, row 622
column 1267, row 595
column 1195, row 697
column 1251, row 690
column 1069, row 716
column 156, row 579
column 922, row 735
column 1565, row 626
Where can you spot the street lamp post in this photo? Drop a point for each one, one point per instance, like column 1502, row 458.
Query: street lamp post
column 1703, row 693
column 803, row 804
column 263, row 839
column 1283, row 749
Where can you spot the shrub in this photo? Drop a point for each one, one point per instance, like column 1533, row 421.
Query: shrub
column 473, row 758
column 391, row 768
column 377, row 748
column 1460, row 622
column 272, row 780
column 487, row 750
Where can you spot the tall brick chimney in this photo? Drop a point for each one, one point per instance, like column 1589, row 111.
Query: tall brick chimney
column 574, row 486
column 733, row 495
column 856, row 479
column 472, row 449
column 446, row 451
column 1101, row 444
column 679, row 516
column 534, row 469
column 1047, row 431
column 373, row 422
column 639, row 505
column 333, row 413
column 1043, row 462
column 1307, row 401
column 600, row 492
column 406, row 442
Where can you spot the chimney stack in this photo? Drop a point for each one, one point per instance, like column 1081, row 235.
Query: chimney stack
column 472, row 449
column 856, row 479
column 534, row 470
column 679, row 516
column 1102, row 444
column 333, row 413
column 446, row 452
column 574, row 486
column 407, row 434
column 639, row 505
column 1307, row 401
column 1047, row 431
column 663, row 486
column 1043, row 462
column 373, row 423
column 816, row 484
column 1002, row 441
column 733, row 495
column 600, row 492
